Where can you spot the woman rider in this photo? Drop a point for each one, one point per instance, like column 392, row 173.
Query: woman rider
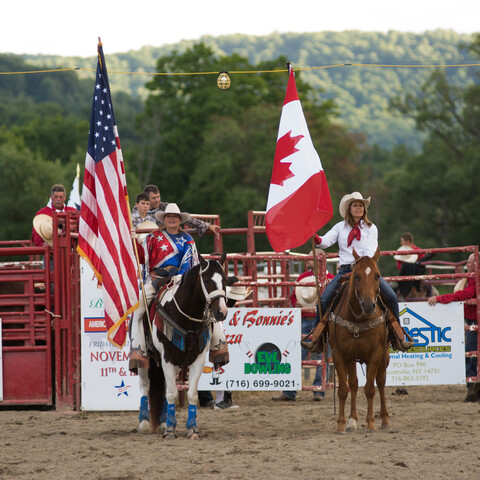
column 359, row 232
column 167, row 254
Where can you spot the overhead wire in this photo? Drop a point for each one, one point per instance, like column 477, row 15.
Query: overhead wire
column 239, row 72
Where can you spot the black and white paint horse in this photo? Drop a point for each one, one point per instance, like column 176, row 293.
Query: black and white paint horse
column 184, row 320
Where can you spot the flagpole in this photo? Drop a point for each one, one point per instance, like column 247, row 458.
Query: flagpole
column 315, row 272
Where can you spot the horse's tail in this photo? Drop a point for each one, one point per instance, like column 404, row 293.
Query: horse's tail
column 156, row 393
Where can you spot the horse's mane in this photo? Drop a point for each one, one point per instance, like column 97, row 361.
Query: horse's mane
column 190, row 276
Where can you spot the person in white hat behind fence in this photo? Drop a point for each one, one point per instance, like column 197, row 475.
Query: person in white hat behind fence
column 357, row 231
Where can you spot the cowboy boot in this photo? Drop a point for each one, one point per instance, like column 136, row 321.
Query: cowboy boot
column 400, row 342
column 316, row 345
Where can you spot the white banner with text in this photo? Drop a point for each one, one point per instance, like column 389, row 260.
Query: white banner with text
column 265, row 351
column 107, row 383
column 438, row 356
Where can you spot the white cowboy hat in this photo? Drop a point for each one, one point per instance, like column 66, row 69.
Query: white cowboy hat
column 460, row 285
column 144, row 225
column 236, row 292
column 172, row 208
column 351, row 197
column 406, row 258
column 306, row 296
column 43, row 225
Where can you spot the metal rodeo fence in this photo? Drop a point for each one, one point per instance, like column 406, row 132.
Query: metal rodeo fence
column 40, row 308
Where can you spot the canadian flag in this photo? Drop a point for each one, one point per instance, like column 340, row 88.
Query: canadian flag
column 299, row 202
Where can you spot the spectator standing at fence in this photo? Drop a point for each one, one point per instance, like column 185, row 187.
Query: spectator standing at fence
column 306, row 297
column 140, row 210
column 470, row 314
column 43, row 221
column 156, row 205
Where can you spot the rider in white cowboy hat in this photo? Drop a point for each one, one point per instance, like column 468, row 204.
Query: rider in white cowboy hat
column 358, row 232
column 166, row 253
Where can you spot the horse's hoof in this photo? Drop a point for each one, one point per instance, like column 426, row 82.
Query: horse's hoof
column 340, row 432
column 351, row 426
column 385, row 428
column 144, row 426
column 193, row 434
column 163, row 428
column 169, row 434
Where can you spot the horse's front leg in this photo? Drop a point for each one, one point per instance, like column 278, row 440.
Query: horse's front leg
column 194, row 374
column 170, row 371
column 342, row 392
column 353, row 384
column 372, row 369
column 381, row 379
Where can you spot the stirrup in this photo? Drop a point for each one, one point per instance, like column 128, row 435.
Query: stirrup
column 406, row 344
column 314, row 347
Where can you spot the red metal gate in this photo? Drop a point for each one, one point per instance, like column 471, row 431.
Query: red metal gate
column 40, row 313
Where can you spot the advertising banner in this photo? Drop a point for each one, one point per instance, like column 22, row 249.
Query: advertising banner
column 438, row 356
column 264, row 348
column 107, row 383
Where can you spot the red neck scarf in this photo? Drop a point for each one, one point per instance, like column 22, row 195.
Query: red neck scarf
column 355, row 233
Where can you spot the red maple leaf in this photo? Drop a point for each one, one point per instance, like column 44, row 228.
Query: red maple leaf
column 285, row 147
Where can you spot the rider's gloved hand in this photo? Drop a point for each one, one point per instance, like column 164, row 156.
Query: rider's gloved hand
column 176, row 279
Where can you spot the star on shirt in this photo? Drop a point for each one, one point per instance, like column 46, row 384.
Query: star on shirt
column 181, row 241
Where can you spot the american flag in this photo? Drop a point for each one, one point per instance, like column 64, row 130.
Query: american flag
column 104, row 229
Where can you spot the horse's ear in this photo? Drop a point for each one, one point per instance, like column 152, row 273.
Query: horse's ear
column 377, row 254
column 223, row 260
column 203, row 262
column 356, row 256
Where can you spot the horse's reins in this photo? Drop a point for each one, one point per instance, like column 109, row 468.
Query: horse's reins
column 209, row 298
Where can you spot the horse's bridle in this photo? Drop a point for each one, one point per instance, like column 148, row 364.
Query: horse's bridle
column 209, row 298
column 355, row 291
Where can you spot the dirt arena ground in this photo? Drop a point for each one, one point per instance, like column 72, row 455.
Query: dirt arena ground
column 433, row 435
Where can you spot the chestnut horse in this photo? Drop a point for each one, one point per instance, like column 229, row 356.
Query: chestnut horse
column 358, row 333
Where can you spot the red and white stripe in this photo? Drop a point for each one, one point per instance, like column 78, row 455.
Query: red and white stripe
column 105, row 242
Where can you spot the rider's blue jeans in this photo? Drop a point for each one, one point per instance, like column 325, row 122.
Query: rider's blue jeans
column 331, row 288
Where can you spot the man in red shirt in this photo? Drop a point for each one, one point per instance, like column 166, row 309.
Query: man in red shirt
column 470, row 313
column 57, row 204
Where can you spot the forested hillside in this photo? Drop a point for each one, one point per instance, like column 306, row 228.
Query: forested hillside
column 361, row 93
column 408, row 137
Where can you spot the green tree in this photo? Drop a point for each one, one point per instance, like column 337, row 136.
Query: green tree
column 25, row 187
column 440, row 185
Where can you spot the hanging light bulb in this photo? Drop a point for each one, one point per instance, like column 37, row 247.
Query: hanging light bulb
column 223, row 81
